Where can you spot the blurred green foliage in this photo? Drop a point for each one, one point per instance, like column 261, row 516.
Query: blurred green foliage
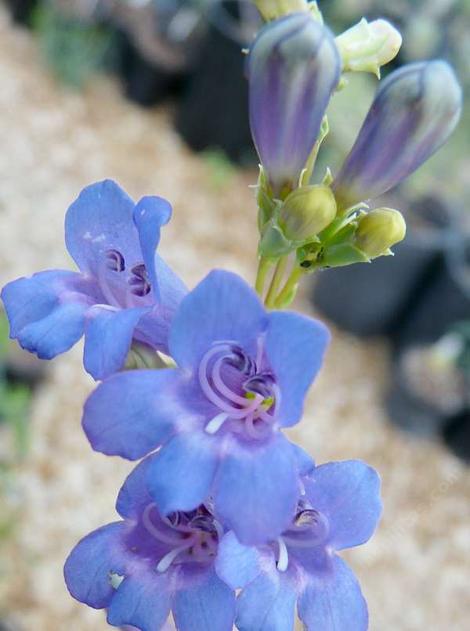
column 14, row 435
column 75, row 49
column 14, row 401
column 462, row 329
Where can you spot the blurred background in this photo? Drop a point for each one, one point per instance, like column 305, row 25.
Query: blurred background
column 152, row 94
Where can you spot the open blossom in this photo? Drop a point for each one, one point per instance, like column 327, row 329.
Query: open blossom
column 340, row 509
column 147, row 565
column 241, row 375
column 124, row 290
column 293, row 69
column 414, row 112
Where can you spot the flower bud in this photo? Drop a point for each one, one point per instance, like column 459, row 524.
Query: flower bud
column 379, row 230
column 413, row 114
column 293, row 68
column 306, row 212
column 366, row 46
column 272, row 9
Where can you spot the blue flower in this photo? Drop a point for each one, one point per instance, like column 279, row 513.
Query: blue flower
column 147, row 565
column 340, row 509
column 124, row 291
column 293, row 68
column 241, row 375
column 413, row 114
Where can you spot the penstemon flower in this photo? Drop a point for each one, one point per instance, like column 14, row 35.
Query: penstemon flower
column 148, row 564
column 241, row 375
column 222, row 500
column 340, row 509
column 124, row 291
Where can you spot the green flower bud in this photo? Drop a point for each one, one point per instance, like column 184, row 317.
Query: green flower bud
column 272, row 9
column 378, row 230
column 367, row 46
column 306, row 212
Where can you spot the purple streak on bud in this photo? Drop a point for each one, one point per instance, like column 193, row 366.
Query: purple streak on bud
column 293, row 68
column 414, row 112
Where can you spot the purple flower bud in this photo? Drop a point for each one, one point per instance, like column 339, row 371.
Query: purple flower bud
column 413, row 114
column 293, row 68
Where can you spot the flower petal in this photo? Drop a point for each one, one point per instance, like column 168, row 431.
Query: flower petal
column 221, row 308
column 133, row 496
column 268, row 603
column 132, row 413
column 89, row 565
column 171, row 287
column 348, row 494
column 295, row 346
column 205, row 603
column 108, row 337
column 46, row 311
column 237, row 564
column 333, row 601
column 150, row 214
column 257, row 488
column 100, row 219
column 181, row 475
column 141, row 600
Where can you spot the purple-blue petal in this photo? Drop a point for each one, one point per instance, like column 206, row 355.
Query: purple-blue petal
column 89, row 565
column 333, row 601
column 257, row 488
column 150, row 214
column 295, row 346
column 203, row 603
column 221, row 308
column 305, row 462
column 268, row 603
column 108, row 337
column 134, row 497
column 46, row 312
column 348, row 494
column 142, row 600
column 293, row 68
column 410, row 118
column 237, row 564
column 101, row 219
column 132, row 413
column 181, row 474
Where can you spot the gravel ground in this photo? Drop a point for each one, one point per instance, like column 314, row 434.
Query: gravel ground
column 414, row 572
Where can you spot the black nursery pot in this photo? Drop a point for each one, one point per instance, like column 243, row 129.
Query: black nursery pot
column 21, row 10
column 456, row 435
column 214, row 109
column 445, row 302
column 381, row 298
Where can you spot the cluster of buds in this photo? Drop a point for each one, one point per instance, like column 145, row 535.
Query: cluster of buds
column 295, row 66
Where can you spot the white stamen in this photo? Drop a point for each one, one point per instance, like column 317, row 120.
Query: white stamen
column 283, row 560
column 168, row 559
column 216, row 423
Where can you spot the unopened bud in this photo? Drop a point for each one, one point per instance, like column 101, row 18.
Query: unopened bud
column 272, row 9
column 413, row 114
column 379, row 230
column 367, row 46
column 293, row 69
column 306, row 212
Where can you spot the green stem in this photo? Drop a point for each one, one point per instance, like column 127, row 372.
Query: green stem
column 263, row 268
column 287, row 293
column 276, row 282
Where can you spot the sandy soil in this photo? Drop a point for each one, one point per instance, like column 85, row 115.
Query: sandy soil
column 414, row 573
